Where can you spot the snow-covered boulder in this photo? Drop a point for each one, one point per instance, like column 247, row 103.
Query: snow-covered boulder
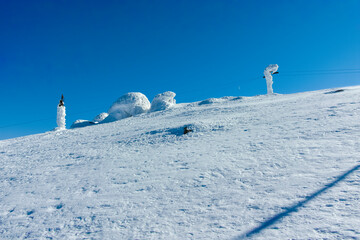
column 131, row 104
column 100, row 117
column 82, row 123
column 163, row 101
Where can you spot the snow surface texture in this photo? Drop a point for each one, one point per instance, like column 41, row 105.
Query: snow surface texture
column 269, row 167
column 130, row 104
column 163, row 101
column 60, row 118
column 269, row 78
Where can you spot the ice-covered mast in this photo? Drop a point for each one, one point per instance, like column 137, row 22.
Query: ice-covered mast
column 269, row 70
column 60, row 118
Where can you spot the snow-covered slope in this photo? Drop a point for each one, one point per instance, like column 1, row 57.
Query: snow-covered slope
column 266, row 167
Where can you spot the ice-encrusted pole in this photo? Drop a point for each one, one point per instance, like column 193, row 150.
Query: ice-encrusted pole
column 269, row 70
column 60, row 118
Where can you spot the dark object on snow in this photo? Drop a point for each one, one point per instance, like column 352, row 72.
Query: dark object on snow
column 272, row 74
column 187, row 130
column 335, row 91
column 61, row 103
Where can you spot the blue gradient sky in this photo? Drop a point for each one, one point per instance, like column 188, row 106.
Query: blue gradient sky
column 95, row 51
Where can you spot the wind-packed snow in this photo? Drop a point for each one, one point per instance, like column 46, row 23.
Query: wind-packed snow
column 269, row 78
column 163, row 101
column 60, row 118
column 130, row 104
column 266, row 167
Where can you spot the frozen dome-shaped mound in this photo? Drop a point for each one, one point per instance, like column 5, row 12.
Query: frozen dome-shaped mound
column 163, row 101
column 100, row 117
column 130, row 104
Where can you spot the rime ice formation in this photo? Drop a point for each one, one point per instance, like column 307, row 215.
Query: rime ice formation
column 130, row 104
column 100, row 117
column 163, row 101
column 60, row 118
column 268, row 75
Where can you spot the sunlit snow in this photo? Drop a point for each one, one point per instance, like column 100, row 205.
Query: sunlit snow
column 266, row 167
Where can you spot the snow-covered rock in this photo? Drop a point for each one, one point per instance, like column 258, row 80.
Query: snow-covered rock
column 130, row 104
column 163, row 101
column 82, row 123
column 100, row 117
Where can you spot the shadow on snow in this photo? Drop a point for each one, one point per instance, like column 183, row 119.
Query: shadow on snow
column 294, row 208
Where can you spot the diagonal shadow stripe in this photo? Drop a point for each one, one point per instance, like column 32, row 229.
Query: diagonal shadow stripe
column 294, row 208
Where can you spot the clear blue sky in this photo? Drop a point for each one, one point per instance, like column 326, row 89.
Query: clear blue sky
column 95, row 51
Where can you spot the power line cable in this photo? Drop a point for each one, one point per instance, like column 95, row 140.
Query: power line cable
column 45, row 119
column 219, row 86
column 320, row 73
column 324, row 70
column 25, row 123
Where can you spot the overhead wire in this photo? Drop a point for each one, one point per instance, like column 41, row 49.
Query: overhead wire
column 323, row 72
column 221, row 86
column 45, row 119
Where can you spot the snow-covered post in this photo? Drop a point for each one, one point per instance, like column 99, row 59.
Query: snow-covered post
column 269, row 70
column 60, row 118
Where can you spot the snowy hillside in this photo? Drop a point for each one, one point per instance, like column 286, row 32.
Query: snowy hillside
column 266, row 167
